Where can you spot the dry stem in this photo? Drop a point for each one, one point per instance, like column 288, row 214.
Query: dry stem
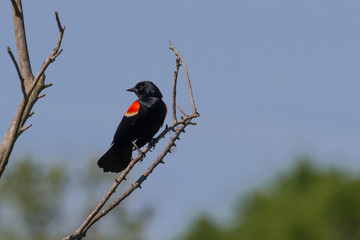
column 177, row 53
column 31, row 87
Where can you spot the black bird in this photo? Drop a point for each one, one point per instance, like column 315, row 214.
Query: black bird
column 140, row 123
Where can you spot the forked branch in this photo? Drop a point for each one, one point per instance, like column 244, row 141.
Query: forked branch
column 177, row 53
column 176, row 129
column 31, row 86
column 22, row 80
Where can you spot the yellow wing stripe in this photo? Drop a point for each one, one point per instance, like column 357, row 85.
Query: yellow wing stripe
column 133, row 109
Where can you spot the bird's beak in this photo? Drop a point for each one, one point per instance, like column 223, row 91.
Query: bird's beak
column 132, row 89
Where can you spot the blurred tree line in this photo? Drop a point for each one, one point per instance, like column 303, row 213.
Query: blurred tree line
column 306, row 203
column 35, row 201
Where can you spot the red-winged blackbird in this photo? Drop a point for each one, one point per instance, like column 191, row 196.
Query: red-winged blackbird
column 141, row 121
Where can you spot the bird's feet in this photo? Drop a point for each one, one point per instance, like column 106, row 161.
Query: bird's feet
column 143, row 155
column 152, row 144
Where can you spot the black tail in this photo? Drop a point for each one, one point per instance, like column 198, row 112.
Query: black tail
column 117, row 158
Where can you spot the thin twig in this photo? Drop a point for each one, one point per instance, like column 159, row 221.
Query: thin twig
column 55, row 52
column 182, row 111
column 21, row 130
column 61, row 28
column 176, row 72
column 47, row 85
column 18, row 71
column 187, row 76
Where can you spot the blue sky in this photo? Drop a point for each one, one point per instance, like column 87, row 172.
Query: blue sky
column 272, row 80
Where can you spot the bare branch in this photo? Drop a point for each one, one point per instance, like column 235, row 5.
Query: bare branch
column 55, row 52
column 61, row 29
column 182, row 111
column 31, row 87
column 18, row 71
column 41, row 96
column 187, row 76
column 47, row 85
column 176, row 72
column 21, row 130
column 8, row 141
column 22, row 49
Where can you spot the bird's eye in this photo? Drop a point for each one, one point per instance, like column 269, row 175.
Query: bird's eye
column 140, row 86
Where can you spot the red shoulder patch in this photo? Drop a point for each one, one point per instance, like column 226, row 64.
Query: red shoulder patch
column 133, row 109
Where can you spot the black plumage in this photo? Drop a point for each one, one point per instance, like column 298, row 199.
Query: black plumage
column 140, row 123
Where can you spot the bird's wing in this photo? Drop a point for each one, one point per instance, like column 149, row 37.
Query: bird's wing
column 130, row 118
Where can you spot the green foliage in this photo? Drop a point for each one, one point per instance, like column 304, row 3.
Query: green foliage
column 30, row 201
column 32, row 198
column 305, row 204
column 204, row 228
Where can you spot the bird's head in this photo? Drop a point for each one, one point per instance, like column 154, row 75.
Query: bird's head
column 146, row 89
